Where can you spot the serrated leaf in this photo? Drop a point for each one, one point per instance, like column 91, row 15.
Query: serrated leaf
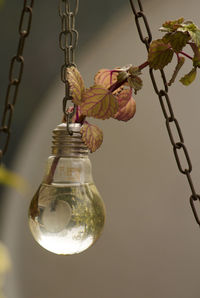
column 189, row 25
column 171, row 26
column 195, row 49
column 122, row 76
column 166, row 38
column 180, row 63
column 196, row 62
column 10, row 179
column 99, row 102
column 123, row 97
column 134, row 71
column 106, row 77
column 192, row 30
column 195, row 36
column 189, row 78
column 76, row 84
column 127, row 112
column 196, row 58
column 177, row 40
column 135, row 82
column 92, row 136
column 160, row 54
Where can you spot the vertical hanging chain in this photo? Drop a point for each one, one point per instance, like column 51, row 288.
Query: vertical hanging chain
column 166, row 106
column 15, row 76
column 68, row 40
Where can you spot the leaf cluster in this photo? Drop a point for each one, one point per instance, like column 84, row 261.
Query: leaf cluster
column 109, row 97
column 111, row 94
column 178, row 35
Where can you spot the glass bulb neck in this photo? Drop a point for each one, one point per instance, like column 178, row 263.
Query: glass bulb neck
column 67, row 145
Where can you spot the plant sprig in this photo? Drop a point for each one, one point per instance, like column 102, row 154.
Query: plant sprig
column 109, row 97
column 111, row 94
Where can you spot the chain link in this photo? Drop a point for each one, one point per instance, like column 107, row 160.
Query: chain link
column 68, row 40
column 167, row 109
column 15, row 76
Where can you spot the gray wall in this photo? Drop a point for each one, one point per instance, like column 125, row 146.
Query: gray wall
column 150, row 245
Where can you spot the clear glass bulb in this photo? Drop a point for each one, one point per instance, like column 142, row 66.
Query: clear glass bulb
column 67, row 214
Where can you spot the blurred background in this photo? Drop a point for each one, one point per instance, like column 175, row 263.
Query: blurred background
column 150, row 245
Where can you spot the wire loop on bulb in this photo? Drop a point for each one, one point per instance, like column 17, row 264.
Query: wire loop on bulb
column 70, row 132
column 68, row 114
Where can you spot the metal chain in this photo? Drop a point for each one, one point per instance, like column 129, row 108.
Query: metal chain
column 68, row 40
column 15, row 76
column 166, row 106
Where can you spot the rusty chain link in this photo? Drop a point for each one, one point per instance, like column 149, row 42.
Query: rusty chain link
column 68, row 40
column 167, row 109
column 15, row 76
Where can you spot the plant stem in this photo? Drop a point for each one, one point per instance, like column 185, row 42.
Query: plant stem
column 116, row 85
column 77, row 116
column 50, row 176
column 178, row 57
column 143, row 65
column 186, row 55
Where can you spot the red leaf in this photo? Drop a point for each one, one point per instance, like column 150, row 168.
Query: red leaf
column 92, row 136
column 99, row 102
column 123, row 97
column 106, row 78
column 127, row 112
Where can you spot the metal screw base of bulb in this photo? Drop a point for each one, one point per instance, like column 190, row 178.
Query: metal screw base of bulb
column 65, row 144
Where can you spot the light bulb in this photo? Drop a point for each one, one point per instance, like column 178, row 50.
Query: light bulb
column 67, row 214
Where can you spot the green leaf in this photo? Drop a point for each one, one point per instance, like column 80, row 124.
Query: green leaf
column 135, row 82
column 122, row 76
column 178, row 40
column 171, row 26
column 76, row 84
column 10, row 179
column 196, row 58
column 134, row 71
column 92, row 136
column 180, row 63
column 196, row 62
column 195, row 36
column 126, row 112
column 189, row 78
column 192, row 30
column 99, row 102
column 160, row 54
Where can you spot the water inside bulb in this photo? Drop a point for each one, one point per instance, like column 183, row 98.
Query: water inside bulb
column 66, row 220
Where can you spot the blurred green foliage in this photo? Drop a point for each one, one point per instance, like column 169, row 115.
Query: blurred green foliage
column 10, row 179
column 5, row 266
column 1, row 2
